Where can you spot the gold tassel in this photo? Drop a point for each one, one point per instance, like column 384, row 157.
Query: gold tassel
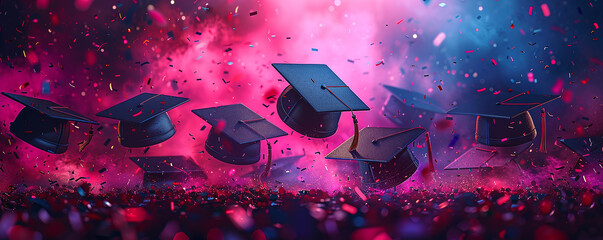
column 355, row 141
column 88, row 139
column 268, row 163
column 429, row 153
column 543, row 136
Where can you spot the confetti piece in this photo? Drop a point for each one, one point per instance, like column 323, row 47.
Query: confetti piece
column 83, row 5
column 157, row 17
column 137, row 114
column 349, row 208
column 400, row 21
column 531, row 77
column 596, row 25
column 183, row 236
column 493, row 62
column 253, row 13
column 530, row 11
column 469, row 51
column 481, row 89
column 502, row 200
column 315, row 49
column 439, row 39
column 557, row 87
column 545, row 10
column 360, row 194
column 567, row 96
column 23, row 86
column 135, row 214
column 440, row 87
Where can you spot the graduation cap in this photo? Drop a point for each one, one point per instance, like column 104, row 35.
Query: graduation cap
column 383, row 154
column 312, row 103
column 167, row 170
column 45, row 124
column 143, row 120
column 236, row 134
column 585, row 146
column 504, row 128
column 408, row 108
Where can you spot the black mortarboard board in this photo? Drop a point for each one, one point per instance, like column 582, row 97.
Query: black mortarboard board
column 143, row 120
column 167, row 170
column 383, row 154
column 408, row 108
column 313, row 103
column 44, row 124
column 585, row 146
column 503, row 121
column 236, row 133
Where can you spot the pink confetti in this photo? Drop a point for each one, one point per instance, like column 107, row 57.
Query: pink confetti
column 493, row 61
column 400, row 21
column 557, row 87
column 497, row 92
column 135, row 214
column 439, row 39
column 531, row 77
column 349, row 208
column 360, row 194
column 481, row 89
column 469, row 51
column 504, row 140
column 181, row 236
column 137, row 114
column 83, row 5
column 558, row 29
column 220, row 126
column 502, row 200
column 545, row 10
column 596, row 25
column 567, row 96
column 42, row 4
column 157, row 17
column 530, row 11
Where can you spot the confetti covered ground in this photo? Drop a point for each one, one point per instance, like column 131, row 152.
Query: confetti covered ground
column 259, row 213
column 90, row 55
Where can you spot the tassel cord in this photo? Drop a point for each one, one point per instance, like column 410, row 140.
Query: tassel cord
column 542, row 118
column 269, row 160
column 354, row 144
column 85, row 143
